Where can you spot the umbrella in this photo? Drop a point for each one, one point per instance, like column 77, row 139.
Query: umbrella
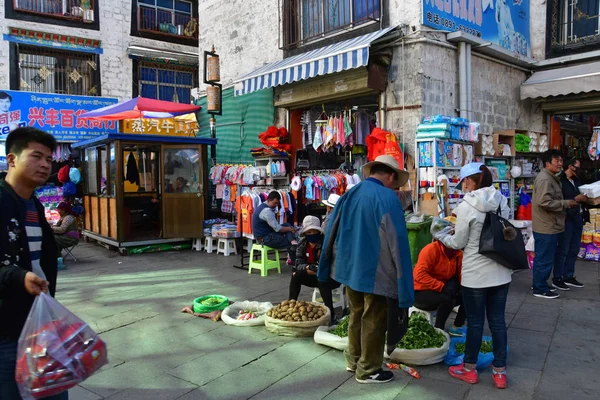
column 141, row 107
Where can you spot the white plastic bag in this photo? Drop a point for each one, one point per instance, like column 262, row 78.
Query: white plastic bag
column 530, row 246
column 230, row 314
column 322, row 336
column 56, row 350
column 421, row 356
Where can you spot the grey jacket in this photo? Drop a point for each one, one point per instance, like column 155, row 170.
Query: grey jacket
column 548, row 205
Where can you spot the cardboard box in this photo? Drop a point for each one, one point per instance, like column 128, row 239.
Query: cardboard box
column 428, row 207
column 500, row 140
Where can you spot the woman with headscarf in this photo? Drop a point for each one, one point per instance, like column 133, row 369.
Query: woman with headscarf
column 66, row 232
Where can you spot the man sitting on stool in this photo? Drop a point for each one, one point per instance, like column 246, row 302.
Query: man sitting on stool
column 437, row 284
column 269, row 232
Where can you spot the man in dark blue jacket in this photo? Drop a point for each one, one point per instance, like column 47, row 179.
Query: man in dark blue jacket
column 569, row 241
column 27, row 246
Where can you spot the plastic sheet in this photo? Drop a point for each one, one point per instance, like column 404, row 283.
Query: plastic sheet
column 230, row 314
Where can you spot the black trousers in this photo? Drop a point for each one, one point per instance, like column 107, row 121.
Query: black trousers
column 430, row 300
column 302, row 278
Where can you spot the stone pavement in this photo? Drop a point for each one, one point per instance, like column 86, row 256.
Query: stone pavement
column 157, row 353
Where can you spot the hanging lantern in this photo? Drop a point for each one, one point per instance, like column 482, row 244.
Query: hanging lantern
column 213, row 99
column 213, row 67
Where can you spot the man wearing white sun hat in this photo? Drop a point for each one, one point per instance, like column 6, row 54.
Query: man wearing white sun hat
column 366, row 248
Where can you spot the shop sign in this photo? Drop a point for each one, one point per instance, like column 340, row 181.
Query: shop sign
column 503, row 22
column 160, row 126
column 57, row 114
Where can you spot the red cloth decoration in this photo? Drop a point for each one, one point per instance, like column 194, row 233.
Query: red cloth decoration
column 63, row 174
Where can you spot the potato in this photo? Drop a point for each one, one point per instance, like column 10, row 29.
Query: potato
column 285, row 303
column 295, row 315
column 302, row 309
column 304, row 318
column 311, row 315
column 292, row 301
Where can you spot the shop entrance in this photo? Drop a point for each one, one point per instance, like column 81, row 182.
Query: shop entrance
column 183, row 200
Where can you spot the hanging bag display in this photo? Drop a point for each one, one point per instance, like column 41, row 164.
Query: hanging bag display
column 502, row 242
column 392, row 148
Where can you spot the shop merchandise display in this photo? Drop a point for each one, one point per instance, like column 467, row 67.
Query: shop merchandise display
column 318, row 185
column 486, row 145
column 251, row 198
column 225, row 231
column 381, row 142
column 246, row 313
column 275, row 141
column 50, row 196
column 441, row 126
column 422, row 344
column 296, row 318
column 334, row 130
column 590, row 238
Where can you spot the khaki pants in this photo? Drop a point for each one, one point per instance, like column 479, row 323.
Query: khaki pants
column 366, row 332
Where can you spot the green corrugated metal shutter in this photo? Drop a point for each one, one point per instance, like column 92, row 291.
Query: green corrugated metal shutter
column 234, row 144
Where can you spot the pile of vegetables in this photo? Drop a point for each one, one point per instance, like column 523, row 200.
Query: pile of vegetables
column 486, row 347
column 246, row 315
column 297, row 311
column 341, row 329
column 421, row 334
column 211, row 301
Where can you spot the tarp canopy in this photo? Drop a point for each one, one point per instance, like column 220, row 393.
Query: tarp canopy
column 582, row 78
column 141, row 107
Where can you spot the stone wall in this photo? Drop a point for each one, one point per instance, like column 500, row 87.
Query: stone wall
column 245, row 34
column 115, row 29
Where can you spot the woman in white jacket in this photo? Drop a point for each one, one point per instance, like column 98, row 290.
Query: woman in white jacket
column 485, row 282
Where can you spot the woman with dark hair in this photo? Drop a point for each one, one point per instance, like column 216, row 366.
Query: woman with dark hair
column 484, row 282
column 66, row 232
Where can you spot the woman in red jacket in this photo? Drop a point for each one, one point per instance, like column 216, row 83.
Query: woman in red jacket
column 437, row 284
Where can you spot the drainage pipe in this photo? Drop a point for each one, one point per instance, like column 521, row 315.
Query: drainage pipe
column 469, row 83
column 462, row 79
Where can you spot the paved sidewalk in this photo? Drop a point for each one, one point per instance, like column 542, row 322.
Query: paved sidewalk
column 157, row 353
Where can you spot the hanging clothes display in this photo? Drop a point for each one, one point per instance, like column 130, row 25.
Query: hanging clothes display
column 251, row 198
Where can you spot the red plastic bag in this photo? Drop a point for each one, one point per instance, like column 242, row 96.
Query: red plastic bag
column 56, row 350
column 392, row 148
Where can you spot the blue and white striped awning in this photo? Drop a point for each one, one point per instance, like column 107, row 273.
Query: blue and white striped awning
column 349, row 54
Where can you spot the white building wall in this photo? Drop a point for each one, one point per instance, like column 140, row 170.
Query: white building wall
column 115, row 29
column 245, row 34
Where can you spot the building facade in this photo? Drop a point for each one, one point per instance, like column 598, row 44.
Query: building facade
column 423, row 77
column 114, row 48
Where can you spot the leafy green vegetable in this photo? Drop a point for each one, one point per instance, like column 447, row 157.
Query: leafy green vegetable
column 341, row 329
column 486, row 347
column 421, row 334
column 211, row 301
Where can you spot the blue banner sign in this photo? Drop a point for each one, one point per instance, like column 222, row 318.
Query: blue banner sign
column 503, row 22
column 57, row 114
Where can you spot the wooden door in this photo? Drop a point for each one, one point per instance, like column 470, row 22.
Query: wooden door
column 183, row 186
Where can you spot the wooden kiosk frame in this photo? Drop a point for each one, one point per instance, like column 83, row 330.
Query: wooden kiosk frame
column 107, row 218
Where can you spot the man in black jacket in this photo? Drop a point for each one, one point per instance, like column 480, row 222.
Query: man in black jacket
column 569, row 241
column 27, row 247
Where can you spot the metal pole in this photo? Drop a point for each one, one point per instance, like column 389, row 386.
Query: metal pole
column 213, row 135
column 469, row 82
column 462, row 78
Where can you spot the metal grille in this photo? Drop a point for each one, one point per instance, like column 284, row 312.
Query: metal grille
column 168, row 18
column 171, row 83
column 307, row 20
column 575, row 22
column 68, row 9
column 62, row 72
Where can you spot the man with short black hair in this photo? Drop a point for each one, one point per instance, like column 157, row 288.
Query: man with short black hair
column 28, row 263
column 548, row 210
column 268, row 231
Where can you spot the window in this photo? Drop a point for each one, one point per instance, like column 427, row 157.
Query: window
column 575, row 23
column 168, row 17
column 91, row 163
column 306, row 20
column 165, row 82
column 82, row 10
column 182, row 171
column 54, row 71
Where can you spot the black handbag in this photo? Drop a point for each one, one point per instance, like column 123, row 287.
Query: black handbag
column 502, row 242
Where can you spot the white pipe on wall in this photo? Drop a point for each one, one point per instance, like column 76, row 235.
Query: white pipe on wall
column 462, row 79
column 469, row 83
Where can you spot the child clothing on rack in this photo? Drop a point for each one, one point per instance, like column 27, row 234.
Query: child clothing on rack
column 251, row 198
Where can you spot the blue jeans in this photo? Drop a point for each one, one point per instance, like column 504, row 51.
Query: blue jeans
column 8, row 363
column 545, row 252
column 478, row 302
column 569, row 243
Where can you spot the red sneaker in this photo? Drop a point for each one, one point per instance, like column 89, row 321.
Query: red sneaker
column 499, row 379
column 459, row 372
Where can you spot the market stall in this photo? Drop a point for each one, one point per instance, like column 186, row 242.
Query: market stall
column 145, row 188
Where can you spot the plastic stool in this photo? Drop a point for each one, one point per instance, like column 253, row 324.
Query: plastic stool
column 226, row 247
column 248, row 245
column 339, row 300
column 264, row 264
column 210, row 244
column 197, row 245
column 430, row 315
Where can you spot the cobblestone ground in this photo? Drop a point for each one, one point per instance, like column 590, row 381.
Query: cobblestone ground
column 158, row 353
